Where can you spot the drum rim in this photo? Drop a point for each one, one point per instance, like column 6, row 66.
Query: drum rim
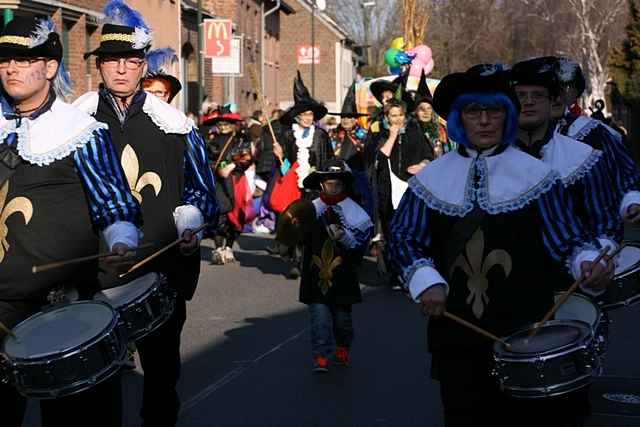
column 551, row 391
column 159, row 281
column 502, row 353
column 71, row 350
column 634, row 268
column 597, row 307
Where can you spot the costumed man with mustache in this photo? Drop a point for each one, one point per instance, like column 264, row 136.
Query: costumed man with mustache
column 60, row 186
column 159, row 143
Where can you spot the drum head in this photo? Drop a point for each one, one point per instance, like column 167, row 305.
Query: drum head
column 59, row 329
column 578, row 307
column 552, row 335
column 628, row 260
column 124, row 294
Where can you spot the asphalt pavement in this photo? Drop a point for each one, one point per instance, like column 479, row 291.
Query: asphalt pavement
column 246, row 357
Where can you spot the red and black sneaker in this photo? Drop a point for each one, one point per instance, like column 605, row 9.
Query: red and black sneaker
column 320, row 364
column 342, row 356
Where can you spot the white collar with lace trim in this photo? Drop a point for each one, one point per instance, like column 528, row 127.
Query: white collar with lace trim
column 351, row 214
column 570, row 158
column 166, row 117
column 53, row 135
column 507, row 182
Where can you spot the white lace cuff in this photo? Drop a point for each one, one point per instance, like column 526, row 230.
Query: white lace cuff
column 188, row 217
column 632, row 197
column 121, row 232
column 422, row 279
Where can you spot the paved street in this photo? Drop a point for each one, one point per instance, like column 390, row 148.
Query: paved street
column 247, row 363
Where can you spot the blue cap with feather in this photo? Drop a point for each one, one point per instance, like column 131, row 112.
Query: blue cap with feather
column 159, row 60
column 33, row 38
column 124, row 32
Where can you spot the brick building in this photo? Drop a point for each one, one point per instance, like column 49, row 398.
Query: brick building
column 270, row 30
column 337, row 60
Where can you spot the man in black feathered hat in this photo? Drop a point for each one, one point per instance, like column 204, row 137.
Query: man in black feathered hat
column 60, row 195
column 165, row 160
column 476, row 235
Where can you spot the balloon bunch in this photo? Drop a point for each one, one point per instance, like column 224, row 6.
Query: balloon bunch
column 418, row 59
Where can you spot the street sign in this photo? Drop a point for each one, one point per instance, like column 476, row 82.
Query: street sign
column 306, row 55
column 231, row 65
column 217, row 38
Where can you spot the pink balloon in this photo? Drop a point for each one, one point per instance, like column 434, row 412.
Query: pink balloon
column 422, row 61
column 429, row 67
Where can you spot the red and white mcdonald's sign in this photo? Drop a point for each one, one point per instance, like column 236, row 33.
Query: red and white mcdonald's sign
column 217, row 38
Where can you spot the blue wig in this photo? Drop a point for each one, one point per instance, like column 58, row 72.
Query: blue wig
column 455, row 128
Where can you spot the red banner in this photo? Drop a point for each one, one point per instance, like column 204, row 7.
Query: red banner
column 217, row 38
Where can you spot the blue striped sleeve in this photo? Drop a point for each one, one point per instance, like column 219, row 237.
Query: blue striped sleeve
column 619, row 159
column 601, row 203
column 199, row 187
column 410, row 238
column 108, row 194
column 563, row 232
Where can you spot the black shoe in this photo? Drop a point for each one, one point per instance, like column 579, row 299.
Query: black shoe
column 294, row 273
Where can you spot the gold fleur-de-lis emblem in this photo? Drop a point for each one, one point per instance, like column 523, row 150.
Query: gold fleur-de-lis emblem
column 17, row 204
column 326, row 263
column 131, row 168
column 476, row 270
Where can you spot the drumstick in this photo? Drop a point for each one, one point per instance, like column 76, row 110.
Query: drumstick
column 8, row 331
column 565, row 296
column 477, row 329
column 163, row 250
column 56, row 264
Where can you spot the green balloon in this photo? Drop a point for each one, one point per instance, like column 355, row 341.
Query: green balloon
column 390, row 57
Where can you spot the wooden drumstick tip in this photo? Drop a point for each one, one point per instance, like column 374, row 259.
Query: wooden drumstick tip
column 8, row 332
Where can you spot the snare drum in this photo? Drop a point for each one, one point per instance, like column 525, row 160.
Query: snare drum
column 64, row 350
column 625, row 290
column 559, row 359
column 144, row 304
column 579, row 307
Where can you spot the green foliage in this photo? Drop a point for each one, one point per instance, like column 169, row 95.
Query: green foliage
column 624, row 62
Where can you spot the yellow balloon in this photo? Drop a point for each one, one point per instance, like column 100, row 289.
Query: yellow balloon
column 397, row 43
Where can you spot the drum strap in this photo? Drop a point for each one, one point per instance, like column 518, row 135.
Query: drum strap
column 461, row 232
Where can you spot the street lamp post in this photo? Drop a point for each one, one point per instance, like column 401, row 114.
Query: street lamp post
column 313, row 48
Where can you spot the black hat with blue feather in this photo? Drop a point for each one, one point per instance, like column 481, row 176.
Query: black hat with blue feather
column 159, row 60
column 124, row 32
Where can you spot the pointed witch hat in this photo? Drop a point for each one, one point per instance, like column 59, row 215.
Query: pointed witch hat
column 423, row 94
column 302, row 101
column 349, row 107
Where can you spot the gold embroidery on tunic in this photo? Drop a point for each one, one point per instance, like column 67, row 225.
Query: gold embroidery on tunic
column 17, row 204
column 131, row 168
column 326, row 263
column 476, row 270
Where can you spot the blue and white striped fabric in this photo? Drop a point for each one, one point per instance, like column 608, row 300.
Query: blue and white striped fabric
column 108, row 194
column 199, row 187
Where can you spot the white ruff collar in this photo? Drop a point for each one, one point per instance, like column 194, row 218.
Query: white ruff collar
column 163, row 115
column 508, row 181
column 302, row 156
column 53, row 135
column 570, row 158
column 352, row 216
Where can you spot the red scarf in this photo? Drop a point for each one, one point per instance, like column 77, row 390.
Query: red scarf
column 332, row 200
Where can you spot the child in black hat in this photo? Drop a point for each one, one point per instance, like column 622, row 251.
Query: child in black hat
column 333, row 251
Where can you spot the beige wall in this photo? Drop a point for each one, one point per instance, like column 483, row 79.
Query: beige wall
column 164, row 18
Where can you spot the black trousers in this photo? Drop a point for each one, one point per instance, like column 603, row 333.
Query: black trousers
column 160, row 359
column 471, row 397
column 78, row 410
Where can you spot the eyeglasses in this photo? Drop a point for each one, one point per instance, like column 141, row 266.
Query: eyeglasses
column 534, row 96
column 129, row 63
column 20, row 62
column 473, row 111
